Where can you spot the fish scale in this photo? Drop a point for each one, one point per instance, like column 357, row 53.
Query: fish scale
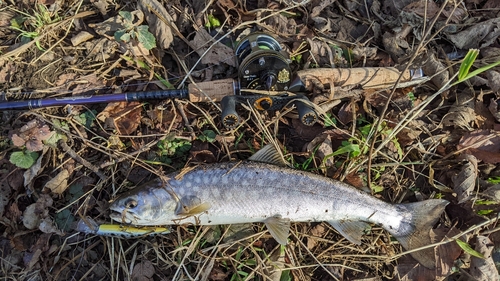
column 249, row 191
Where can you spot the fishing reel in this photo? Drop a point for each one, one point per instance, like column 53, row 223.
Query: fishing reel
column 263, row 65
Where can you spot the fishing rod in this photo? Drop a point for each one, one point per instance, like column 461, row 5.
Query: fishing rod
column 264, row 66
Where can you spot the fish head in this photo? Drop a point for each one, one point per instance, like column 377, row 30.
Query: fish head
column 145, row 205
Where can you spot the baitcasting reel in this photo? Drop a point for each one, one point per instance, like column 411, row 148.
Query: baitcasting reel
column 263, row 65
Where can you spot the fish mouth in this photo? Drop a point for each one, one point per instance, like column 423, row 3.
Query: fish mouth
column 122, row 217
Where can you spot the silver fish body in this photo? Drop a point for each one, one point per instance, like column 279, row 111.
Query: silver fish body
column 244, row 192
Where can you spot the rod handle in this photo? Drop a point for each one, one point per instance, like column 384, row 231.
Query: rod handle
column 212, row 90
column 366, row 77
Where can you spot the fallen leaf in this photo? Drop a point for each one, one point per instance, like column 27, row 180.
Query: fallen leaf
column 320, row 147
column 47, row 226
column 143, row 271
column 483, row 144
column 59, row 183
column 7, row 69
column 436, row 69
column 396, row 44
column 125, row 117
column 493, row 108
column 483, row 269
column 317, row 231
column 5, row 192
column 410, row 270
column 34, row 170
column 322, row 5
column 482, row 34
column 160, row 26
column 422, row 8
column 493, row 80
column 30, row 217
column 32, row 134
column 218, row 53
column 459, row 116
column 347, row 111
column 465, row 181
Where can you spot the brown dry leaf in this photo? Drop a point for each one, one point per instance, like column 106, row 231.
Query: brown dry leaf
column 318, row 231
column 101, row 49
column 460, row 116
column 465, row 181
column 47, row 226
column 281, row 25
column 124, row 116
column 322, row 5
column 32, row 134
column 493, row 108
column 217, row 54
column 482, row 34
column 108, row 27
column 322, row 144
column 7, row 69
column 160, row 28
column 410, row 270
column 59, row 183
column 483, row 269
column 143, row 271
column 322, row 53
column 493, row 80
column 34, row 170
column 483, row 144
column 433, row 67
column 5, row 192
column 418, row 8
column 347, row 111
column 396, row 44
column 30, row 217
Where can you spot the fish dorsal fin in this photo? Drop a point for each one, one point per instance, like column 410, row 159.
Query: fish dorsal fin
column 269, row 154
column 190, row 205
column 279, row 228
column 352, row 230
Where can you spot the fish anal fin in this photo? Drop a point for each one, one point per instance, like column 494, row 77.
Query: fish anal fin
column 279, row 228
column 191, row 205
column 351, row 230
column 269, row 154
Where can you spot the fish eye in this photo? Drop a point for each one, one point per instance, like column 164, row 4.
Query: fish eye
column 130, row 203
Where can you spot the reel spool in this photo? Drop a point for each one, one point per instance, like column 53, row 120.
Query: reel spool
column 262, row 64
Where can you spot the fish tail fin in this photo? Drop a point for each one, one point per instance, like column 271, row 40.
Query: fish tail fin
column 414, row 232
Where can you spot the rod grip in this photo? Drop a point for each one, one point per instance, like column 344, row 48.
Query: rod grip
column 212, row 90
column 366, row 77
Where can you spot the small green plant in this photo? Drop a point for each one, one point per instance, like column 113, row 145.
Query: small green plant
column 170, row 150
column 212, row 22
column 23, row 159
column 31, row 26
column 207, row 136
column 468, row 249
column 131, row 31
column 470, row 58
column 145, row 66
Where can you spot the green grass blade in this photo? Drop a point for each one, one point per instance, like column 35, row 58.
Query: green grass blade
column 468, row 249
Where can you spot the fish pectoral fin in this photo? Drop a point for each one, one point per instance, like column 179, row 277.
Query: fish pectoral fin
column 269, row 154
column 279, row 228
column 352, row 230
column 191, row 205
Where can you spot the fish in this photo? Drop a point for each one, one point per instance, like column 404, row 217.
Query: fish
column 265, row 189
